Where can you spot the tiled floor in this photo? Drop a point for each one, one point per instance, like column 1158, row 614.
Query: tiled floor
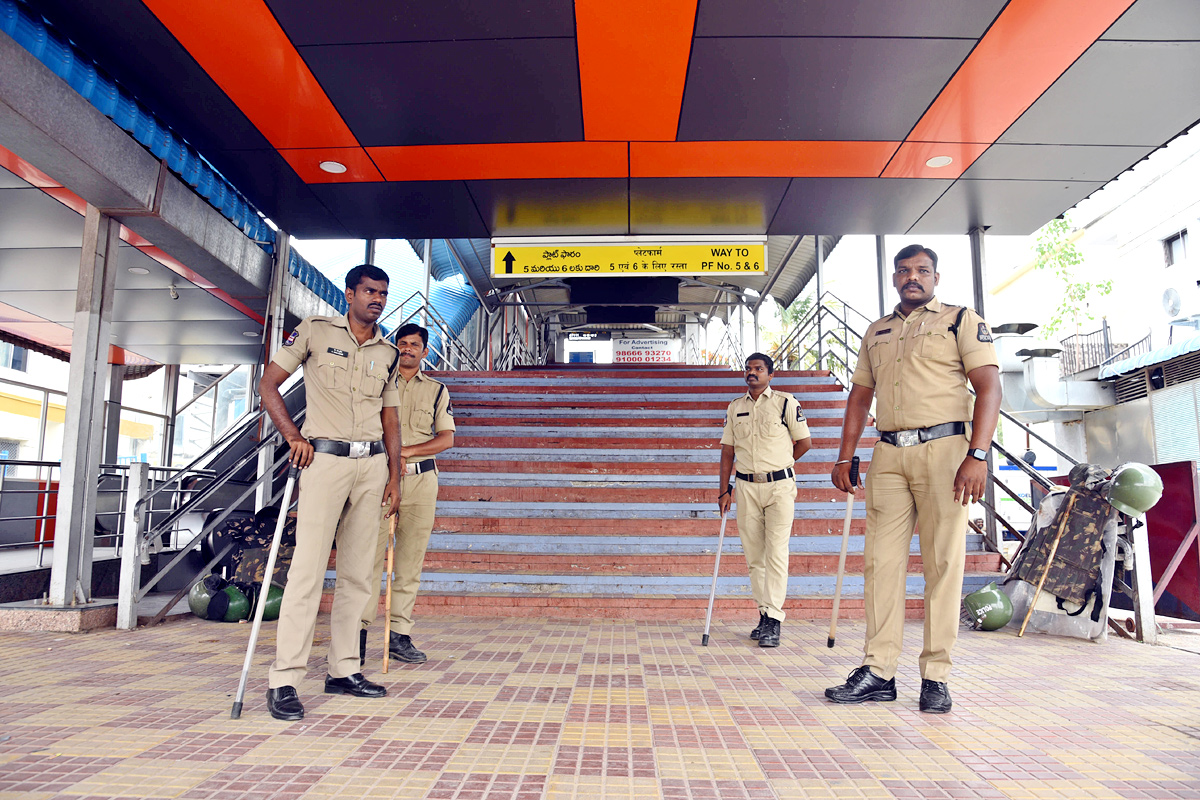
column 531, row 709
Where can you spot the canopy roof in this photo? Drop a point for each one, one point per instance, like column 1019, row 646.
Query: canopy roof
column 472, row 119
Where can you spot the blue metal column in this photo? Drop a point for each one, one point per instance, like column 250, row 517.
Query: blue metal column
column 71, row 570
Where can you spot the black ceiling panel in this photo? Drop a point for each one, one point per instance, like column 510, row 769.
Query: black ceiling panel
column 703, row 205
column 129, row 43
column 1129, row 93
column 1002, row 207
column 416, row 209
column 814, row 89
column 322, row 22
column 916, row 18
column 274, row 188
column 854, row 205
column 454, row 92
column 1162, row 20
column 586, row 207
column 1055, row 162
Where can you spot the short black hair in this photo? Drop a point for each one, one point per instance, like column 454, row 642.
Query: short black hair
column 368, row 271
column 915, row 250
column 411, row 328
column 763, row 357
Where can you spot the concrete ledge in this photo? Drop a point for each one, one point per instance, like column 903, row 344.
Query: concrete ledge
column 33, row 616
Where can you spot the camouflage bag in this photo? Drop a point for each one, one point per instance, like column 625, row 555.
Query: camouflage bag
column 1075, row 573
column 249, row 558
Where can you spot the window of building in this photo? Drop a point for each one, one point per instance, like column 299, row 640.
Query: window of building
column 1175, row 248
column 13, row 357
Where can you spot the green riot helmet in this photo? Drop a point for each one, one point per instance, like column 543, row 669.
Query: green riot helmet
column 987, row 609
column 198, row 599
column 274, row 601
column 239, row 604
column 1133, row 489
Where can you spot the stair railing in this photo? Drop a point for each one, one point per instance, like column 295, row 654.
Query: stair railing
column 728, row 350
column 451, row 351
column 826, row 337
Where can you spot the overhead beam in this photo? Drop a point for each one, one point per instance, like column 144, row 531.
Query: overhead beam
column 49, row 125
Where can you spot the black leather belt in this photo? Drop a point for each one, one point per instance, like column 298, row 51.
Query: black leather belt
column 766, row 477
column 416, row 468
column 347, row 449
column 919, row 435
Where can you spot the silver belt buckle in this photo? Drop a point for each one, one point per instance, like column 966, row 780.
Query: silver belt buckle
column 907, row 438
column 360, row 449
column 760, row 477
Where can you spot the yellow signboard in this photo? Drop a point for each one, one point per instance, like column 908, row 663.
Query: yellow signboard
column 629, row 258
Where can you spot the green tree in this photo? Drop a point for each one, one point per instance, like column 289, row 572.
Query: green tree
column 1056, row 251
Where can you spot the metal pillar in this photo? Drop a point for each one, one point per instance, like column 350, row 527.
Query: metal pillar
column 757, row 344
column 75, row 521
column 978, row 268
column 131, row 562
column 169, row 404
column 977, row 279
column 370, row 254
column 820, row 290
column 272, row 342
column 882, row 267
column 428, row 277
column 112, row 414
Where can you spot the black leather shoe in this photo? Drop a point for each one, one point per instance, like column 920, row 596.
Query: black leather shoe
column 362, row 647
column 356, row 685
column 401, row 649
column 284, row 704
column 769, row 635
column 862, row 685
column 762, row 620
column 935, row 697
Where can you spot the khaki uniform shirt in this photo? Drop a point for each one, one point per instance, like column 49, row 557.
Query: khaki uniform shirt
column 424, row 411
column 346, row 384
column 762, row 432
column 918, row 367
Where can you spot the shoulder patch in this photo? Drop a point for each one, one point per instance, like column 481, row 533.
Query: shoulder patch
column 882, row 331
column 984, row 335
column 291, row 339
column 449, row 409
column 799, row 414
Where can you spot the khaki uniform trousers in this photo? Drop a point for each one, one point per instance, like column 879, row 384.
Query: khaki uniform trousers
column 332, row 488
column 907, row 486
column 764, row 516
column 414, row 524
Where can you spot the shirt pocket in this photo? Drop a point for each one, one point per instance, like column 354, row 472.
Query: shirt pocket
column 935, row 344
column 374, row 381
column 421, row 420
column 334, row 372
column 878, row 350
column 742, row 430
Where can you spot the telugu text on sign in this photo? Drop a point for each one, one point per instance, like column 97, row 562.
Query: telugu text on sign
column 630, row 259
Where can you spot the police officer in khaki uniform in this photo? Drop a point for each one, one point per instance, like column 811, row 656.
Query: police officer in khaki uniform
column 426, row 429
column 929, row 463
column 349, row 451
column 765, row 434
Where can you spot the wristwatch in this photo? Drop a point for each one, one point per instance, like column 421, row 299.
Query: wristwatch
column 976, row 453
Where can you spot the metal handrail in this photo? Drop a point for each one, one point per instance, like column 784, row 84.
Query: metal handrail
column 207, row 389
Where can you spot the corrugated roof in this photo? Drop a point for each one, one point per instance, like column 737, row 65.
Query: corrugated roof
column 1157, row 356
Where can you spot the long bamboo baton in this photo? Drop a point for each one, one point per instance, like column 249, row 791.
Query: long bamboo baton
column 1062, row 524
column 293, row 473
column 712, row 595
column 387, row 598
column 837, row 592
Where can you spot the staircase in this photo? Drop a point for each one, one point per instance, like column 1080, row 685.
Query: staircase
column 591, row 492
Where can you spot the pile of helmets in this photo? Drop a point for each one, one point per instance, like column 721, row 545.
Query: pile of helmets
column 215, row 598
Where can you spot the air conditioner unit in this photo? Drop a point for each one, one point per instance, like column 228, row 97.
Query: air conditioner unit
column 1181, row 301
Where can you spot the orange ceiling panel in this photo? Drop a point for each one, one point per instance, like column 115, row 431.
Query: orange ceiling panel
column 910, row 160
column 463, row 162
column 633, row 58
column 759, row 159
column 241, row 46
column 1027, row 48
column 307, row 163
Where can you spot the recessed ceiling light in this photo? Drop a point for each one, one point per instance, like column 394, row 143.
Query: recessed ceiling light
column 939, row 161
column 139, row 270
column 333, row 167
column 250, row 334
